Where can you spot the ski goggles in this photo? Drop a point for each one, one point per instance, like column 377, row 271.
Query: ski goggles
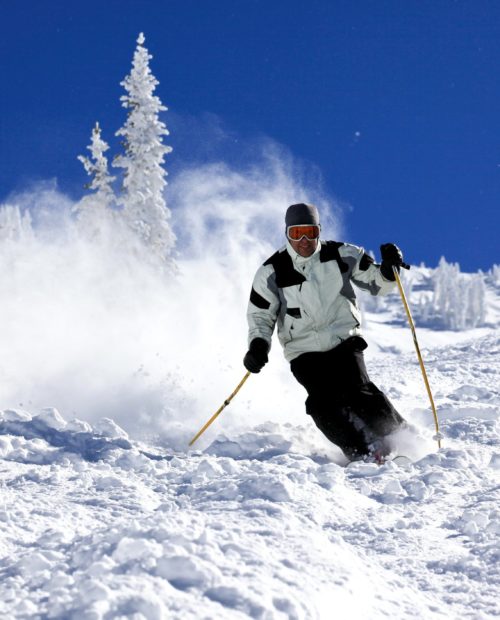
column 295, row 233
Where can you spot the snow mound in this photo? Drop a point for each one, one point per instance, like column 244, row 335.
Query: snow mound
column 264, row 523
column 48, row 437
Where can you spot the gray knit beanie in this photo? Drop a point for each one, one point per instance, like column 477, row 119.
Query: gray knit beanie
column 301, row 214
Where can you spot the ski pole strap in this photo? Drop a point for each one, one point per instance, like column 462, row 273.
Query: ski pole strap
column 438, row 435
column 219, row 410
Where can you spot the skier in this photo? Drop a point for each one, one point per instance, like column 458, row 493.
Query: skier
column 306, row 288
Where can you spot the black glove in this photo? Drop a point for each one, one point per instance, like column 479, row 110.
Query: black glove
column 256, row 356
column 391, row 257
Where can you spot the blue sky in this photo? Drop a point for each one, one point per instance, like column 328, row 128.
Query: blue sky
column 396, row 103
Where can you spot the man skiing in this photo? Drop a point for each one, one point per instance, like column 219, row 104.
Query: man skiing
column 306, row 288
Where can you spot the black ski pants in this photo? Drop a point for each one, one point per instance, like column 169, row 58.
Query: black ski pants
column 345, row 405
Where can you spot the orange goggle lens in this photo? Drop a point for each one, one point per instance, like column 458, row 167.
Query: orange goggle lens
column 297, row 232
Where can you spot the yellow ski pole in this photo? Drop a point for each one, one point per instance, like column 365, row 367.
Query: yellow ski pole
column 421, row 361
column 216, row 414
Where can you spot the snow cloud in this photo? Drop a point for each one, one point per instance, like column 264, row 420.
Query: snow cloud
column 90, row 328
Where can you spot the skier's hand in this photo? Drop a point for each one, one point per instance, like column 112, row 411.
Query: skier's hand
column 256, row 357
column 391, row 257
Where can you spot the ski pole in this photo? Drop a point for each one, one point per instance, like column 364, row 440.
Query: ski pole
column 421, row 361
column 216, row 414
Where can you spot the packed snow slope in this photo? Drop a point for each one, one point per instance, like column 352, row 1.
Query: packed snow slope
column 263, row 523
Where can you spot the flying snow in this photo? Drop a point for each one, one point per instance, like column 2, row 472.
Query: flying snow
column 91, row 328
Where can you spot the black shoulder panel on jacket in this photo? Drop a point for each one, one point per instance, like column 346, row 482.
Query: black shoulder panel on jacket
column 330, row 251
column 258, row 300
column 286, row 275
column 271, row 260
column 365, row 262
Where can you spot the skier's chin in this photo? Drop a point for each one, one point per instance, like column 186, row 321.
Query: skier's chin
column 306, row 250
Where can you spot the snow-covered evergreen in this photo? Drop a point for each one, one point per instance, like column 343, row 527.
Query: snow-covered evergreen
column 144, row 204
column 14, row 224
column 458, row 301
column 494, row 275
column 97, row 167
column 440, row 298
column 93, row 209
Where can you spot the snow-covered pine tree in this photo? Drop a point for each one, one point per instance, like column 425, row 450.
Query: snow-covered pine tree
column 93, row 210
column 15, row 225
column 145, row 208
column 494, row 275
column 477, row 300
column 458, row 301
column 447, row 295
column 97, row 167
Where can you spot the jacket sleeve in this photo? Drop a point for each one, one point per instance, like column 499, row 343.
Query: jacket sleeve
column 264, row 305
column 366, row 273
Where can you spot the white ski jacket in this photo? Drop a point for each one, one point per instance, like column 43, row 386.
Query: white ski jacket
column 312, row 299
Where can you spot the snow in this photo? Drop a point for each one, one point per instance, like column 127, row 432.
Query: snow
column 264, row 523
column 108, row 371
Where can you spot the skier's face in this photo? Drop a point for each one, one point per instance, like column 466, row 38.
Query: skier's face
column 303, row 238
column 304, row 247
